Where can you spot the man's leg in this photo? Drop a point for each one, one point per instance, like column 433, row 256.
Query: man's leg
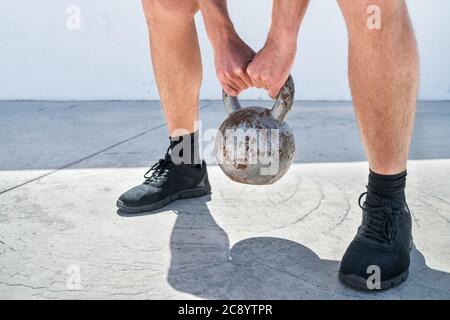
column 178, row 72
column 176, row 59
column 383, row 72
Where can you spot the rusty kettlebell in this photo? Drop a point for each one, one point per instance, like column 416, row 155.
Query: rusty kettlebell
column 255, row 145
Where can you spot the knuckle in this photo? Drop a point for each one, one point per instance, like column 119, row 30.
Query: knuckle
column 265, row 78
column 238, row 71
column 221, row 76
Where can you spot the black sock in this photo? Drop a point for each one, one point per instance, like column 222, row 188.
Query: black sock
column 189, row 142
column 391, row 187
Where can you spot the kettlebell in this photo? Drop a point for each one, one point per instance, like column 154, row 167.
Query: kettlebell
column 255, row 145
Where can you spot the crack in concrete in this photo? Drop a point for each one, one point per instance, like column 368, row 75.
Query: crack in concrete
column 25, row 258
column 307, row 214
column 348, row 208
column 415, row 219
column 344, row 217
column 22, row 285
column 434, row 209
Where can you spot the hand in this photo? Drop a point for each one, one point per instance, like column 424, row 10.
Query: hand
column 231, row 59
column 271, row 66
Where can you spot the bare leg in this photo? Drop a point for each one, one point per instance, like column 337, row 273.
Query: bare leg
column 383, row 72
column 176, row 59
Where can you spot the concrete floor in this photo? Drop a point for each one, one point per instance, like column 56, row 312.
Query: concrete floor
column 62, row 166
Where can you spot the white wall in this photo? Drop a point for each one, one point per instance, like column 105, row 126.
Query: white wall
column 40, row 58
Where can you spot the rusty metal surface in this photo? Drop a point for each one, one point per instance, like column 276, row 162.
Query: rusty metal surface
column 250, row 173
column 255, row 156
column 232, row 104
column 284, row 101
column 264, row 161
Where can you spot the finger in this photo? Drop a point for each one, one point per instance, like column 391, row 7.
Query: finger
column 230, row 90
column 275, row 90
column 238, row 83
column 273, row 93
column 252, row 76
column 241, row 73
column 257, row 83
column 246, row 78
column 264, row 85
column 234, row 78
column 227, row 85
column 260, row 81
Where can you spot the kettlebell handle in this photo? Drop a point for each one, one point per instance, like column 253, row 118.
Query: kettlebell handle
column 280, row 109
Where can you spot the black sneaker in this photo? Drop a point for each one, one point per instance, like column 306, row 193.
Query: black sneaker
column 378, row 258
column 166, row 182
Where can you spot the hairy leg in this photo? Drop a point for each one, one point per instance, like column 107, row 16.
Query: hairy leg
column 383, row 73
column 176, row 60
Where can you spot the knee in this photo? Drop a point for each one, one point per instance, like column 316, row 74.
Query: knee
column 172, row 9
column 376, row 20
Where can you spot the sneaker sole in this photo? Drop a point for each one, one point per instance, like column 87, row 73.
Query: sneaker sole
column 185, row 194
column 360, row 283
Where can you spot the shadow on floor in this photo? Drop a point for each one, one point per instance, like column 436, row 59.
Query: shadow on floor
column 204, row 265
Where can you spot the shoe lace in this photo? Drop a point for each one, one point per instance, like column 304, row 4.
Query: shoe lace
column 379, row 219
column 160, row 169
